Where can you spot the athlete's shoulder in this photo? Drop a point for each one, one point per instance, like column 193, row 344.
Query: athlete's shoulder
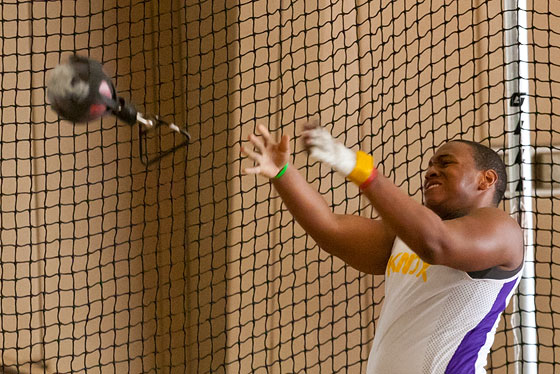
column 494, row 214
column 497, row 221
column 506, row 230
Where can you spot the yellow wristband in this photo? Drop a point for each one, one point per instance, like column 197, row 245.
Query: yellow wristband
column 362, row 170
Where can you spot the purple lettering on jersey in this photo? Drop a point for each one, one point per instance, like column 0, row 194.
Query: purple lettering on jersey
column 464, row 358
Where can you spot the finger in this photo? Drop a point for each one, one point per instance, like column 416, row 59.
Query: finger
column 308, row 136
column 257, row 142
column 313, row 132
column 311, row 140
column 251, row 154
column 307, row 141
column 284, row 144
column 264, row 132
column 253, row 170
column 311, row 125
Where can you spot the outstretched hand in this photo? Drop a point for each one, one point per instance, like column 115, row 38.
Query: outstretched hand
column 269, row 156
column 323, row 147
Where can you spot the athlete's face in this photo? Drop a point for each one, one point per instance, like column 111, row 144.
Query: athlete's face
column 451, row 183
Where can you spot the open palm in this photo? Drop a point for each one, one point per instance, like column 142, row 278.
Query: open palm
column 269, row 156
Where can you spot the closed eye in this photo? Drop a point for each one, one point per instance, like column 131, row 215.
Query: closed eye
column 441, row 161
column 445, row 162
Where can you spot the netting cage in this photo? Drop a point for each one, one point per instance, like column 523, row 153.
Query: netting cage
column 112, row 264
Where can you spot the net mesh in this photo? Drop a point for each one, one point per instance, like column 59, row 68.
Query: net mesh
column 185, row 265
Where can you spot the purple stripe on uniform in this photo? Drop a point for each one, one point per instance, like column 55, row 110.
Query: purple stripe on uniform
column 464, row 359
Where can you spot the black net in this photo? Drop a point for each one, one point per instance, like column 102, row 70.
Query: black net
column 185, row 265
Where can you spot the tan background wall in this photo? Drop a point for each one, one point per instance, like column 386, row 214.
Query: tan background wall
column 108, row 266
column 93, row 243
column 398, row 78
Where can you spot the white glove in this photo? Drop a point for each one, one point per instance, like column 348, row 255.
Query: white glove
column 322, row 147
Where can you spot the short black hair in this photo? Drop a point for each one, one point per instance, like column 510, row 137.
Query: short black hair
column 486, row 158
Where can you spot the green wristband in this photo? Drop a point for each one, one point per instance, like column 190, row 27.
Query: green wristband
column 282, row 171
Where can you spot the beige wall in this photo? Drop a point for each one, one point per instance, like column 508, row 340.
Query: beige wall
column 427, row 75
column 96, row 261
column 93, row 242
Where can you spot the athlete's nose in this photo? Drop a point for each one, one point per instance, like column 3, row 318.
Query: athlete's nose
column 431, row 172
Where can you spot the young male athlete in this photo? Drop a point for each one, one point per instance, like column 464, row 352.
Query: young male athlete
column 451, row 266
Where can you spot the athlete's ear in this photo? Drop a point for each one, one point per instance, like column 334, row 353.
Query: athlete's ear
column 488, row 178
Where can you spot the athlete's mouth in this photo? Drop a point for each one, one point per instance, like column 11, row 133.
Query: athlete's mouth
column 431, row 185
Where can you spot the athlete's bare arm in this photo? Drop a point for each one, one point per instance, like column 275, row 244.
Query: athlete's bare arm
column 363, row 243
column 484, row 238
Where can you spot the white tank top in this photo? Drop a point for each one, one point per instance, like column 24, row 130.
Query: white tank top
column 436, row 319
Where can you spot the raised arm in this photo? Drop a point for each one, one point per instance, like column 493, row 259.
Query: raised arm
column 486, row 237
column 363, row 243
column 479, row 237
